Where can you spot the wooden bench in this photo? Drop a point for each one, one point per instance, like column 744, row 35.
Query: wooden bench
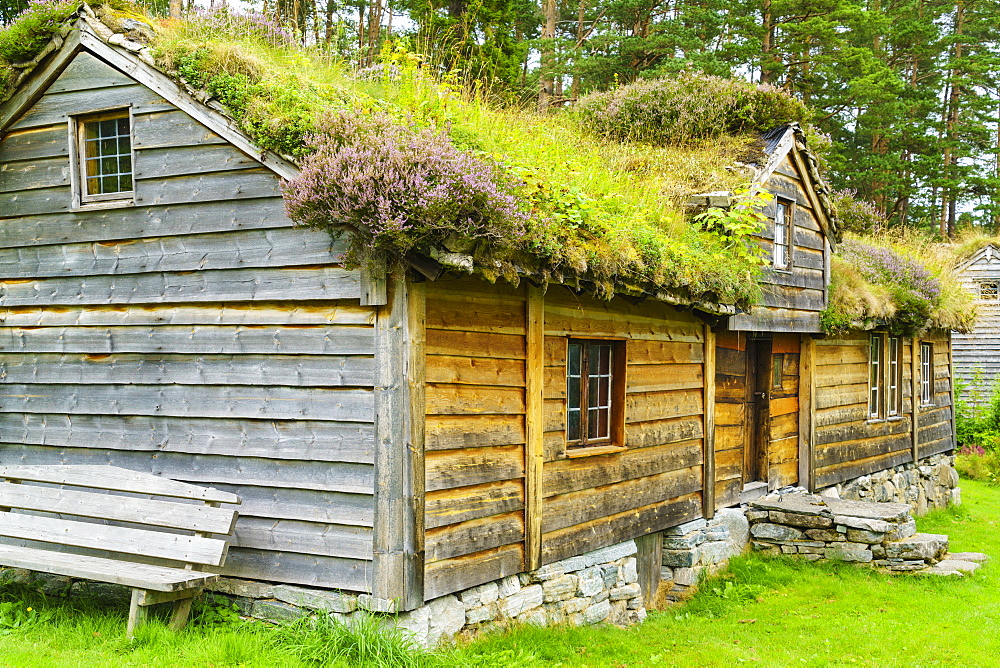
column 147, row 554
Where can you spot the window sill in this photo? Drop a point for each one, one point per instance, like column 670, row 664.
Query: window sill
column 573, row 453
column 875, row 420
column 896, row 418
column 99, row 206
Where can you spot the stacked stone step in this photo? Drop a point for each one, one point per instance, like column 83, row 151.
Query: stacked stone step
column 818, row 527
column 699, row 547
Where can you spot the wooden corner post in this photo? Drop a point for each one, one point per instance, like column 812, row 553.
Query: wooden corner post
column 915, row 399
column 534, row 454
column 807, row 390
column 398, row 535
column 708, row 467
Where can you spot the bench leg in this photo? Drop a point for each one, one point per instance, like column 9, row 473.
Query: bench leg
column 136, row 614
column 179, row 615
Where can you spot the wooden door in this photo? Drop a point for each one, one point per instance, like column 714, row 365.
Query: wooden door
column 758, row 413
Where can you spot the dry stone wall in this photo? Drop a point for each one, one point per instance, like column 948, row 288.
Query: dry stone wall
column 601, row 586
column 931, row 483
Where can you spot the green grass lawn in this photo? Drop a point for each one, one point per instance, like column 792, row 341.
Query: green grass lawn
column 768, row 612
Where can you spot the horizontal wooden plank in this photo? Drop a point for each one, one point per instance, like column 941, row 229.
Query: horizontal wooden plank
column 157, row 578
column 305, row 569
column 841, row 395
column 840, row 415
column 473, row 536
column 474, row 344
column 449, row 432
column 215, row 186
column 784, row 406
column 331, row 540
column 35, row 144
column 618, row 528
column 87, row 71
column 446, row 399
column 210, row 470
column 643, row 407
column 241, row 249
column 663, row 377
column 475, row 371
column 844, row 452
column 307, row 505
column 783, row 426
column 572, row 475
column 160, row 163
column 31, row 174
column 152, row 512
column 475, row 310
column 143, row 222
column 197, row 339
column 662, row 432
column 859, row 431
column 453, row 575
column 565, row 510
column 590, row 317
column 449, row 506
column 345, row 312
column 114, row 479
column 347, row 405
column 287, row 370
column 141, row 542
column 663, row 352
column 854, row 469
column 173, row 127
column 936, row 447
column 56, row 107
column 318, row 441
column 450, row 469
column 300, row 283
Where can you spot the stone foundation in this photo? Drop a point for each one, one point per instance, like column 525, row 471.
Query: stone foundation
column 597, row 587
column 931, row 483
column 699, row 548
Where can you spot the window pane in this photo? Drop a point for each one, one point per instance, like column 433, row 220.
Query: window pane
column 573, row 359
column 107, row 153
column 573, row 424
column 777, row 362
column 592, row 424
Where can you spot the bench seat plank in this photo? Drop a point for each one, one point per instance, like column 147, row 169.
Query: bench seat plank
column 153, row 512
column 115, row 479
column 143, row 576
column 159, row 544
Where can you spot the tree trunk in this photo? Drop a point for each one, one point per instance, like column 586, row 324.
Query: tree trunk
column 768, row 43
column 175, row 9
column 951, row 127
column 547, row 78
column 580, row 13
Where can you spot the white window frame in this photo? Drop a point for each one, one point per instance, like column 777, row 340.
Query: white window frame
column 784, row 224
column 876, row 376
column 894, row 378
column 78, row 171
column 926, row 373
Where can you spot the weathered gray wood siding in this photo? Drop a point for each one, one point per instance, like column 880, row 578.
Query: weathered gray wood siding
column 791, row 299
column 196, row 335
column 977, row 354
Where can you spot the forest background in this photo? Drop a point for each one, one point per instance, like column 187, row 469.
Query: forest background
column 906, row 91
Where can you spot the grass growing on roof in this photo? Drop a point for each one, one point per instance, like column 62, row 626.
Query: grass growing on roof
column 600, row 213
column 902, row 279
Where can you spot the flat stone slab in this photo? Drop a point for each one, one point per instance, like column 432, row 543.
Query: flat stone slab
column 823, row 506
column 928, row 546
column 977, row 557
column 957, row 565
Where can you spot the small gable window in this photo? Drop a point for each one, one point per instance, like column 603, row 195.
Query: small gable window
column 989, row 290
column 782, row 255
column 104, row 157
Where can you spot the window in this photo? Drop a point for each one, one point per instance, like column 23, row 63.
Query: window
column 885, row 377
column 894, row 382
column 104, row 157
column 777, row 364
column 989, row 290
column 595, row 393
column 782, row 258
column 926, row 374
column 875, row 377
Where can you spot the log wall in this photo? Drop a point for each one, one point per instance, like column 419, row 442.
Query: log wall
column 977, row 354
column 847, row 444
column 783, row 412
column 194, row 335
column 792, row 299
column 731, row 411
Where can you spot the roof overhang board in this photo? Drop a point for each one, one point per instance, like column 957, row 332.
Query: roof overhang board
column 37, row 83
column 784, row 146
column 814, row 201
column 978, row 255
column 160, row 83
column 84, row 37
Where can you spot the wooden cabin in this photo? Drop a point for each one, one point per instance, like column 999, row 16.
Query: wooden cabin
column 977, row 353
column 392, row 435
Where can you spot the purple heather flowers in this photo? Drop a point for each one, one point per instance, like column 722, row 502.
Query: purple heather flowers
column 401, row 188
